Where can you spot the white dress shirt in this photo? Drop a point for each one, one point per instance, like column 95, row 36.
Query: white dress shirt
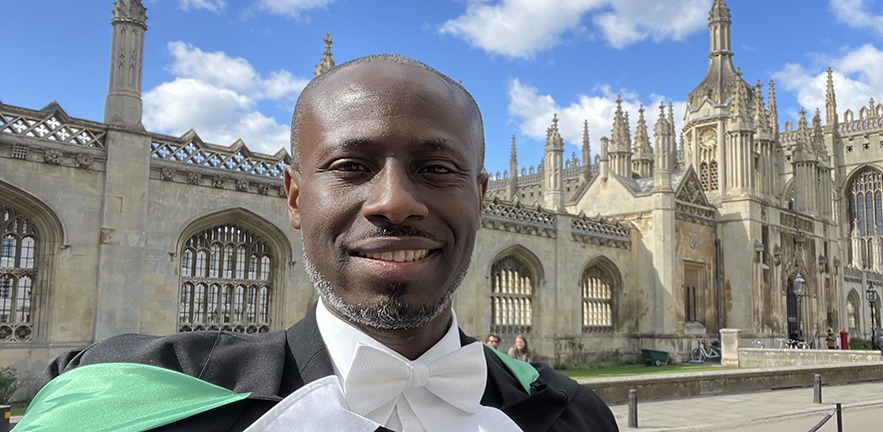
column 416, row 409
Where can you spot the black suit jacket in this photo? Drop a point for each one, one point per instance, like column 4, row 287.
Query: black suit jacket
column 273, row 365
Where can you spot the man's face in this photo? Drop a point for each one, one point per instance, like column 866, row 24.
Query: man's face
column 492, row 341
column 389, row 192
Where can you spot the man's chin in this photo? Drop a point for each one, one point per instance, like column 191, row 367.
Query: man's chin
column 389, row 313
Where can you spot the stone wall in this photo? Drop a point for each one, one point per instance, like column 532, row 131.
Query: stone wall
column 768, row 357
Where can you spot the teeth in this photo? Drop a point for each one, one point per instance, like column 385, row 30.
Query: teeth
column 398, row 256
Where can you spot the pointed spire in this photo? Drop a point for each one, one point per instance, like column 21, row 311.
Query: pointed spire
column 513, row 158
column 740, row 102
column 818, row 135
column 872, row 109
column 671, row 119
column 327, row 62
column 620, row 128
column 642, row 140
column 803, row 135
column 830, row 101
column 774, row 111
column 553, row 137
column 761, row 120
column 587, row 158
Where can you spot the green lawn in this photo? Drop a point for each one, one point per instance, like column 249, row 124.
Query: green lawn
column 19, row 411
column 639, row 369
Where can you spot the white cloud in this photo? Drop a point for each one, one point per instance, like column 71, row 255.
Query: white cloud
column 216, row 6
column 533, row 112
column 521, row 28
column 292, row 8
column 219, row 97
column 633, row 21
column 856, row 80
column 517, row 28
column 855, row 13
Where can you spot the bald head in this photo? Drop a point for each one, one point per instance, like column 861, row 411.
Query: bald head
column 379, row 74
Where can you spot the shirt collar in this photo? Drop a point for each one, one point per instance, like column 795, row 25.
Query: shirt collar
column 341, row 338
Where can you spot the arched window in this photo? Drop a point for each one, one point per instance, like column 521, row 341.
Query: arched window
column 853, row 303
column 19, row 241
column 597, row 287
column 512, row 286
column 225, row 281
column 866, row 216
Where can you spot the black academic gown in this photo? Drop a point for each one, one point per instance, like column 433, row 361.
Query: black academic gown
column 273, row 365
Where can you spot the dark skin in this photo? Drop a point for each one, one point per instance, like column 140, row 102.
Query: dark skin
column 389, row 191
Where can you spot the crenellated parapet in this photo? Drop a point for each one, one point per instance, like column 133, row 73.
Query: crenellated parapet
column 514, row 217
column 189, row 159
column 599, row 231
column 50, row 136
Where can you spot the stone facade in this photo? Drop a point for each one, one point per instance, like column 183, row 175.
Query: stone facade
column 108, row 228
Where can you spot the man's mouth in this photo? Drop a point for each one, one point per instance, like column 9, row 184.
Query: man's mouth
column 397, row 256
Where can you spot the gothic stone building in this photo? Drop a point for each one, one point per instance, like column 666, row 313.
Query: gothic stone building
column 108, row 228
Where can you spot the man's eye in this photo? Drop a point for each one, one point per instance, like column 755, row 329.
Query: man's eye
column 347, row 166
column 437, row 169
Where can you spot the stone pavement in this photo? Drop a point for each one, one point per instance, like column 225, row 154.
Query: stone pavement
column 776, row 410
column 773, row 411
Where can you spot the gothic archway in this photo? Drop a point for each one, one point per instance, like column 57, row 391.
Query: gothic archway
column 514, row 279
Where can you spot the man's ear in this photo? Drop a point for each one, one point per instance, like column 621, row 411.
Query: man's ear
column 292, row 188
column 483, row 179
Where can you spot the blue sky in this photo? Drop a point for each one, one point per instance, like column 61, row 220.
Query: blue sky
column 233, row 68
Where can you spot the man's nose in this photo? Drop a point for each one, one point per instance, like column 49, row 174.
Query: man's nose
column 394, row 197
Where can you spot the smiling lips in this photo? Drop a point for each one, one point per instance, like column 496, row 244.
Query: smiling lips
column 397, row 256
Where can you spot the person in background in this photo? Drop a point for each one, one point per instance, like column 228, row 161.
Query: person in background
column 519, row 350
column 492, row 340
column 831, row 339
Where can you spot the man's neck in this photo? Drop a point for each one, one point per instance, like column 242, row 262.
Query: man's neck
column 410, row 343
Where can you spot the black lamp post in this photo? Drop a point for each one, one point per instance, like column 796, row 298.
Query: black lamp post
column 799, row 291
column 871, row 295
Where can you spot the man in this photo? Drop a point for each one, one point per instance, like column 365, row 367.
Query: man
column 492, row 340
column 386, row 186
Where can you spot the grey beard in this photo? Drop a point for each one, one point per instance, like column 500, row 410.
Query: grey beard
column 389, row 313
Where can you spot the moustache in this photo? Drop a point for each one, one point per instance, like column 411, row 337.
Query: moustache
column 396, row 231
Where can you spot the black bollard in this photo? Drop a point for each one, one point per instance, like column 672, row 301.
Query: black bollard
column 839, row 418
column 817, row 388
column 633, row 408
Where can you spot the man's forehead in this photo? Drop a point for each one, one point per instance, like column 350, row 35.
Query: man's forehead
column 380, row 82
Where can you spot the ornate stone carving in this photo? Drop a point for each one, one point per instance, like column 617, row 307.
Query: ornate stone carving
column 19, row 151
column 84, row 160
column 194, row 177
column 506, row 216
column 168, row 174
column 242, row 185
column 281, row 192
column 263, row 188
column 53, row 157
column 50, row 124
column 218, row 181
column 237, row 158
column 600, row 232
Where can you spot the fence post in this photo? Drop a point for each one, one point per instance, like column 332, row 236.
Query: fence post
column 817, row 388
column 839, row 418
column 633, row 408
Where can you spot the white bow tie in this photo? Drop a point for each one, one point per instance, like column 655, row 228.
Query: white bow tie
column 377, row 377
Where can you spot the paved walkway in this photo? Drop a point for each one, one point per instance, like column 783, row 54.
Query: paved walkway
column 767, row 411
column 777, row 410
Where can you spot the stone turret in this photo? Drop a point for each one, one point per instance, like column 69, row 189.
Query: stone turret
column 664, row 153
column 553, row 169
column 764, row 143
column 642, row 155
column 721, row 77
column 123, row 105
column 805, row 163
column 327, row 62
column 831, row 119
